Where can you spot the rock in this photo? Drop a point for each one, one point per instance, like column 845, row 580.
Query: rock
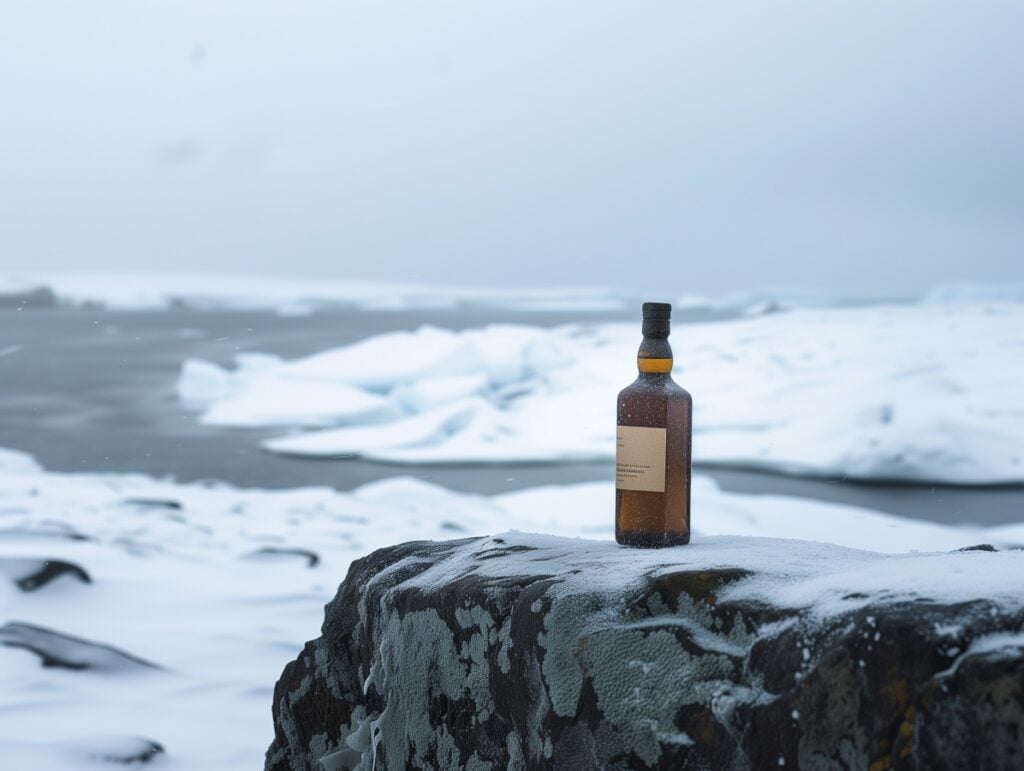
column 30, row 574
column 56, row 649
column 154, row 503
column 277, row 553
column 732, row 653
column 96, row 752
column 119, row 750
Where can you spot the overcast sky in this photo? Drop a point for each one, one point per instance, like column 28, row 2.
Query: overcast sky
column 869, row 147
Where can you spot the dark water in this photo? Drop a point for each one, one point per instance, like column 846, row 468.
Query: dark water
column 94, row 391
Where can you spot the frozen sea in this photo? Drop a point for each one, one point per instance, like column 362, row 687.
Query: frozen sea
column 94, row 390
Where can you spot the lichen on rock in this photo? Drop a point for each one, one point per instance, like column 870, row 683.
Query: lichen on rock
column 525, row 652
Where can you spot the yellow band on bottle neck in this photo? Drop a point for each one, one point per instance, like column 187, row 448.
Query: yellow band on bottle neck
column 654, row 366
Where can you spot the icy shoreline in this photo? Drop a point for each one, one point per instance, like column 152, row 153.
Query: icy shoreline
column 296, row 297
column 292, row 296
column 924, row 393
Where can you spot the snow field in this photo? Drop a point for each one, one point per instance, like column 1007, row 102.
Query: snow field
column 199, row 594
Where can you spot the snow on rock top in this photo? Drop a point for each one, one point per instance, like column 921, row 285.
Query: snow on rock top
column 928, row 393
column 822, row 578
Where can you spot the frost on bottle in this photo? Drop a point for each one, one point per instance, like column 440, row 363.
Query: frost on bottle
column 652, row 454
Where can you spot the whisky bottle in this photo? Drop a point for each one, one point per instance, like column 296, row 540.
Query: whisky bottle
column 652, row 453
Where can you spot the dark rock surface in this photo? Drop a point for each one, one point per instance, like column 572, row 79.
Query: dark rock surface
column 499, row 653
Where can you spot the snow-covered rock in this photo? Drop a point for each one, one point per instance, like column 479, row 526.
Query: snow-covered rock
column 519, row 651
column 929, row 393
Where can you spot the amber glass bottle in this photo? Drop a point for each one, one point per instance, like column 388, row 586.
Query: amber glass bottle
column 652, row 456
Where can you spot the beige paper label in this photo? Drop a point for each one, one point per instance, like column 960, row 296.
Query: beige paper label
column 640, row 459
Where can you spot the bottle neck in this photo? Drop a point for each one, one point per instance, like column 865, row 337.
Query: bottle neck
column 654, row 357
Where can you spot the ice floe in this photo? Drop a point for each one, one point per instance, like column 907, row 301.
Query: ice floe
column 169, row 610
column 930, row 393
column 14, row 461
column 761, row 301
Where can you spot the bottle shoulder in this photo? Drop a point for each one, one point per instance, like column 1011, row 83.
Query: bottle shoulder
column 679, row 392
column 666, row 387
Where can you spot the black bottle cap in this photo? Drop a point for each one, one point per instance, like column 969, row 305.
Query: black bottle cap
column 657, row 319
column 657, row 310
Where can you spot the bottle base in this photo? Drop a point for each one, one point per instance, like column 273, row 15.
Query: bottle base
column 641, row 540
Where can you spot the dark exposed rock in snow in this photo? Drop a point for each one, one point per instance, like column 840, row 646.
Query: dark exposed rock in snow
column 95, row 752
column 157, row 503
column 733, row 653
column 31, row 574
column 274, row 553
column 56, row 649
column 121, row 750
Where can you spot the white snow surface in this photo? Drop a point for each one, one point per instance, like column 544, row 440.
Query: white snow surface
column 975, row 292
column 760, row 301
column 929, row 393
column 291, row 296
column 15, row 462
column 213, row 584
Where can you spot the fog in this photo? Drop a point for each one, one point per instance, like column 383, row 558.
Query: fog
column 868, row 148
